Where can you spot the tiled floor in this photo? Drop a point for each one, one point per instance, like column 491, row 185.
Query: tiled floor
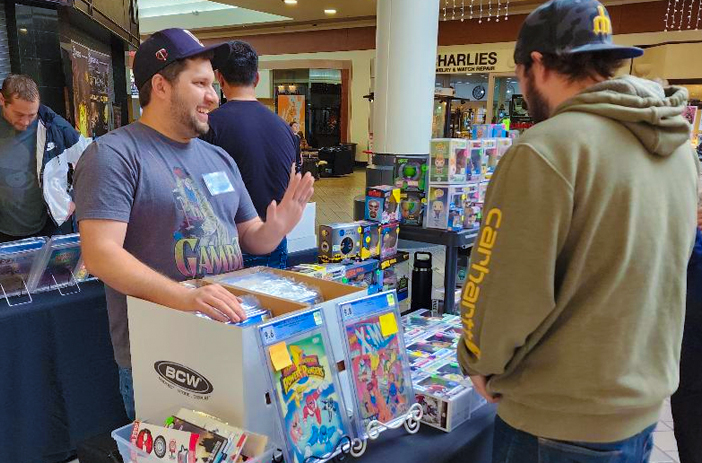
column 334, row 198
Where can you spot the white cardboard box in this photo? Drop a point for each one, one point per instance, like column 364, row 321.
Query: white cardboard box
column 179, row 359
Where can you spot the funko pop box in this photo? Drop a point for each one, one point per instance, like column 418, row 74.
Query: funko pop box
column 445, row 206
column 382, row 204
column 449, row 160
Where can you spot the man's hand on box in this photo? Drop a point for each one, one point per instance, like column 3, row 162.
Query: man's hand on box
column 213, row 301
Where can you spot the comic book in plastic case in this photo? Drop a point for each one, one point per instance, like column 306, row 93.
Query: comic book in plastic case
column 376, row 359
column 305, row 387
column 17, row 258
column 446, row 403
column 58, row 265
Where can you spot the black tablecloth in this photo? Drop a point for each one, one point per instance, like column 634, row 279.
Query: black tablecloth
column 58, row 380
column 469, row 443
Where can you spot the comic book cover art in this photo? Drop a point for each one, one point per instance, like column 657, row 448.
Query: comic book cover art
column 377, row 371
column 310, row 405
column 440, row 387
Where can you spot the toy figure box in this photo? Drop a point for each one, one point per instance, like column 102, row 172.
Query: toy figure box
column 490, row 157
column 449, row 160
column 412, row 206
column 472, row 207
column 411, row 173
column 446, row 403
column 480, row 131
column 370, row 239
column 365, row 274
column 446, row 207
column 304, row 386
column 382, row 203
column 476, row 154
column 339, row 241
column 389, row 237
column 376, row 360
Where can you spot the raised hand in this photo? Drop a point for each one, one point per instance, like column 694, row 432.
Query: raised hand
column 287, row 214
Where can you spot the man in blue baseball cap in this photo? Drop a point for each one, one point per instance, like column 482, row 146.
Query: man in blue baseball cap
column 574, row 302
column 156, row 205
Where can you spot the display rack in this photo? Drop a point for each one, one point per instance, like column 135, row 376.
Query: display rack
column 453, row 241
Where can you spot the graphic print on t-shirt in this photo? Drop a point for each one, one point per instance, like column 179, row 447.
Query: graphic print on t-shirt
column 202, row 243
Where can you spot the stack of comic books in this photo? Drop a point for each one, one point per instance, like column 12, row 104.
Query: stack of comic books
column 305, row 386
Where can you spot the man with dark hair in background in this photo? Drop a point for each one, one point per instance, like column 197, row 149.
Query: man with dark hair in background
column 574, row 301
column 156, row 205
column 260, row 142
column 36, row 147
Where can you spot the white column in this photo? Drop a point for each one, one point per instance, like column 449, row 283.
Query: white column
column 405, row 69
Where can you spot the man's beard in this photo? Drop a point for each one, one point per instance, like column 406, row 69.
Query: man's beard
column 537, row 106
column 189, row 121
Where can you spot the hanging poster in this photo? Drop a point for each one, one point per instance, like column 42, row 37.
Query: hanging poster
column 292, row 108
column 91, row 90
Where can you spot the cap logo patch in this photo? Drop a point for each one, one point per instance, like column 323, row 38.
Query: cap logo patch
column 602, row 24
column 162, row 54
column 193, row 37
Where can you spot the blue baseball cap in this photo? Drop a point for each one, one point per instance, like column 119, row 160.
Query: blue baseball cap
column 166, row 47
column 569, row 27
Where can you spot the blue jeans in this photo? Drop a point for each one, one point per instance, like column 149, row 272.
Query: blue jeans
column 276, row 259
column 513, row 446
column 126, row 388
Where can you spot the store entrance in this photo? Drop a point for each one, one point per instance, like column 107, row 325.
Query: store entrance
column 467, row 106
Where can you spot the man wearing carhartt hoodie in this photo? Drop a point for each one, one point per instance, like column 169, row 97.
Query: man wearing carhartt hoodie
column 574, row 303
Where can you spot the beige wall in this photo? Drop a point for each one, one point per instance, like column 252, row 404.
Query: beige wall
column 678, row 61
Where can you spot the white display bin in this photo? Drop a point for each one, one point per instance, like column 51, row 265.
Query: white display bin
column 179, row 358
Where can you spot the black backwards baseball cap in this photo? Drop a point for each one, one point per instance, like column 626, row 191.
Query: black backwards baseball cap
column 166, row 47
column 569, row 27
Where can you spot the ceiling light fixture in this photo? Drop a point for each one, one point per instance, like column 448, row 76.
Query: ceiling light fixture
column 330, row 11
column 290, row 2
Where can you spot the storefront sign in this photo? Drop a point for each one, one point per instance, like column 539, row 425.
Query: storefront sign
column 474, row 61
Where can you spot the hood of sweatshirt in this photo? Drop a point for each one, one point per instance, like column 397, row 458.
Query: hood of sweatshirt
column 653, row 114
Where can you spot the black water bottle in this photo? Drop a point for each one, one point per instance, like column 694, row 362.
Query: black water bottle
column 421, row 281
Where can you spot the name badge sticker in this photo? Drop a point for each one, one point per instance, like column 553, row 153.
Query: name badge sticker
column 218, row 183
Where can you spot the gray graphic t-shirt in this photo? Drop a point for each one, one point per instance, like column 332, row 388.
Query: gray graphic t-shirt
column 182, row 202
column 22, row 207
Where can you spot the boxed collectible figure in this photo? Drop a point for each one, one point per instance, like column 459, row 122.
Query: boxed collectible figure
column 490, row 157
column 474, row 169
column 446, row 403
column 472, row 207
column 449, row 158
column 412, row 208
column 481, row 131
column 411, row 173
column 370, row 239
column 339, row 241
column 382, row 203
column 389, row 236
column 304, row 386
column 364, row 274
column 446, row 207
